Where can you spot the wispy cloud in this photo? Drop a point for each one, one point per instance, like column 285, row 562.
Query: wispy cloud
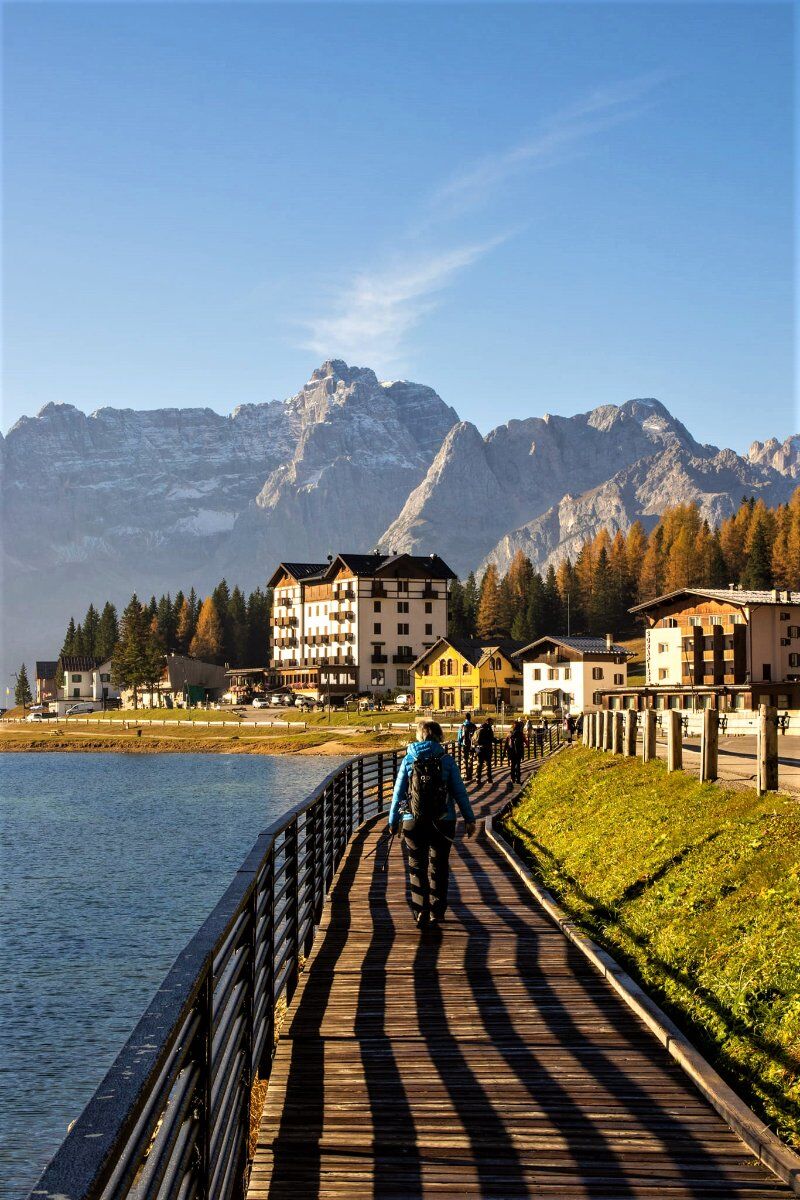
column 598, row 111
column 370, row 318
column 375, row 311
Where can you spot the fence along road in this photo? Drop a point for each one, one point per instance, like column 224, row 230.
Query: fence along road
column 488, row 1061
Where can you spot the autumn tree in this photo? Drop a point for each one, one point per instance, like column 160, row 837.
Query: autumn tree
column 185, row 627
column 207, row 642
column 490, row 614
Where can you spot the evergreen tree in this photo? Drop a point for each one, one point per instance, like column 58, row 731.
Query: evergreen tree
column 236, row 637
column 553, row 616
column 130, row 664
column 471, row 599
column 22, row 690
column 520, row 574
column 207, row 642
column 456, row 625
column 166, row 622
column 259, row 613
column 758, row 568
column 186, row 626
column 716, row 569
column 489, row 620
column 68, row 647
column 603, row 599
column 569, row 595
column 107, row 632
column 535, row 610
column 79, row 642
column 153, row 655
column 91, row 629
column 506, row 606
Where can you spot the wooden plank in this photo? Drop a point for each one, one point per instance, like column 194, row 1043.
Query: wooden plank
column 483, row 1059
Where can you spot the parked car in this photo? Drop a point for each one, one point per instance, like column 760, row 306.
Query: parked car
column 40, row 715
column 83, row 706
column 260, row 702
column 404, row 700
column 308, row 703
column 281, row 699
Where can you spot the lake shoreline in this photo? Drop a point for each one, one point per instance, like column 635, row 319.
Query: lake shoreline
column 129, row 743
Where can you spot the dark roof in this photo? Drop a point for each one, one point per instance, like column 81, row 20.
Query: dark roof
column 474, row 650
column 383, row 564
column 181, row 669
column 46, row 669
column 728, row 595
column 582, row 645
column 78, row 662
column 298, row 570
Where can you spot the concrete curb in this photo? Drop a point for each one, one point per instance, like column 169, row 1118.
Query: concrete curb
column 757, row 1136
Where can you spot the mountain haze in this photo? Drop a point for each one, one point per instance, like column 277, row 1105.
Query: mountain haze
column 98, row 506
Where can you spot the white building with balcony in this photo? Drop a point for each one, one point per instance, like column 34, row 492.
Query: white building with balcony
column 357, row 622
column 570, row 674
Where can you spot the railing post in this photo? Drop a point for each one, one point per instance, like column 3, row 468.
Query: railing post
column 249, row 1034
column 674, row 741
column 349, row 783
column 319, row 858
column 767, row 756
column 291, row 852
column 709, row 745
column 328, row 836
column 265, row 1065
column 380, row 783
column 649, row 735
column 205, row 1034
column 361, row 791
column 630, row 733
column 619, row 731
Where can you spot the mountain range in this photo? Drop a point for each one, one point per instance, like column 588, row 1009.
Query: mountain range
column 95, row 507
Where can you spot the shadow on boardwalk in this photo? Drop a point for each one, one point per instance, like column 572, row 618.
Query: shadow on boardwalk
column 486, row 1059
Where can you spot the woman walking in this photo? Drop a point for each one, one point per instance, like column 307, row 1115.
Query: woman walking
column 515, row 749
column 427, row 789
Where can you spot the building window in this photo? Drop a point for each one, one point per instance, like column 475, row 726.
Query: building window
column 465, row 669
column 377, row 606
column 425, row 670
column 662, row 647
column 619, row 680
column 794, row 660
column 428, row 606
column 376, row 628
column 695, row 620
column 405, row 652
column 670, row 623
column 567, row 672
column 76, row 693
column 786, row 616
column 442, row 666
column 428, row 629
column 793, row 631
column 105, row 679
column 403, row 678
column 402, row 585
column 426, row 698
column 537, row 673
column 402, row 627
column 378, row 678
column 766, row 671
column 402, row 606
column 467, row 698
column 77, row 678
column 597, row 698
column 597, row 672
column 783, row 701
column 551, row 674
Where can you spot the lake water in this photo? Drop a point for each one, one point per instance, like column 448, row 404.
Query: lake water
column 109, row 863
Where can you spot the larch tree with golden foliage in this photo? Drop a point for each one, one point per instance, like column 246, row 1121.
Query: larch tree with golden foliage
column 207, row 642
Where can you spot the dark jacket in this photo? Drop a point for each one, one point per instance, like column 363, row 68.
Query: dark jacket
column 515, row 744
column 456, row 792
column 485, row 739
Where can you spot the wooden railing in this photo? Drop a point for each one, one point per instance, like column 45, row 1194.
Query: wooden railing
column 171, row 1119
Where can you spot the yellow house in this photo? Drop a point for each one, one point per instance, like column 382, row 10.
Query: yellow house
column 463, row 674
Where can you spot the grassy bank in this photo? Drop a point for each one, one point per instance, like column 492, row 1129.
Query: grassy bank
column 696, row 889
column 190, row 738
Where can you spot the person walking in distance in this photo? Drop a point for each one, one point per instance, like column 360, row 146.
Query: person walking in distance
column 515, row 749
column 466, row 735
column 427, row 789
column 485, row 741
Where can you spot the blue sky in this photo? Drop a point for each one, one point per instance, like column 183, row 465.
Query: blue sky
column 530, row 207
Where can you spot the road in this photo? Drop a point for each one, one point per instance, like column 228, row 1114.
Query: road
column 737, row 759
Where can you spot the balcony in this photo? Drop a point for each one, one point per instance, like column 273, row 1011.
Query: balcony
column 343, row 615
column 402, row 658
column 378, row 591
column 429, row 593
column 379, row 658
column 346, row 594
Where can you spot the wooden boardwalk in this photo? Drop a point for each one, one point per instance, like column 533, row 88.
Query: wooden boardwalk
column 484, row 1059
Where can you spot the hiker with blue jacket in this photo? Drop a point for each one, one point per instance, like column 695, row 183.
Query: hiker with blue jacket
column 427, row 789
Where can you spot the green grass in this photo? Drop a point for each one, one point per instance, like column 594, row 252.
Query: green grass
column 696, row 889
column 352, row 719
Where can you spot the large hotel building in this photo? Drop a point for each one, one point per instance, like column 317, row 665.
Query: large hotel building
column 357, row 622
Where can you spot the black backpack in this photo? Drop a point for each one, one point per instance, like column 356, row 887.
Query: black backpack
column 428, row 789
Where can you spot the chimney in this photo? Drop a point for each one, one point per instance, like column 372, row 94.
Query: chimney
column 731, row 587
column 609, row 641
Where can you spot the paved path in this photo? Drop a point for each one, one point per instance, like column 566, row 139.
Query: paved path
column 485, row 1059
column 737, row 759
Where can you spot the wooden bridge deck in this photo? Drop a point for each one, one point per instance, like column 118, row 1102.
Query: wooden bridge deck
column 485, row 1059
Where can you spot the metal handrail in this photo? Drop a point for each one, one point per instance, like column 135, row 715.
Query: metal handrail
column 172, row 1117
